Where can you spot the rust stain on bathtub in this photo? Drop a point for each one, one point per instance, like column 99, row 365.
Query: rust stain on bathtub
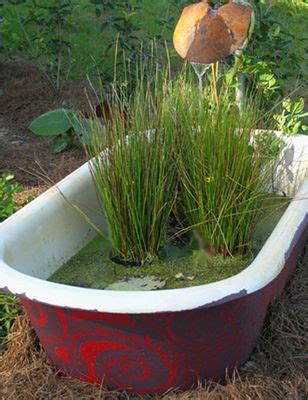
column 302, row 231
column 6, row 290
column 230, row 297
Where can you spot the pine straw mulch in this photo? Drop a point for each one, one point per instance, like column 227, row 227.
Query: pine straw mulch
column 25, row 94
column 275, row 370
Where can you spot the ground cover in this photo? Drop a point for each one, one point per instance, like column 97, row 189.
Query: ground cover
column 26, row 95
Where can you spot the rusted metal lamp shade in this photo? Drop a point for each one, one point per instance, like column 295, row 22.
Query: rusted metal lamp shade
column 206, row 35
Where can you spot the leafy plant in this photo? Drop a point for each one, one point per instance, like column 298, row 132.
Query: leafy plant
column 64, row 127
column 167, row 19
column 8, row 311
column 120, row 16
column 290, row 120
column 42, row 34
column 7, row 191
column 262, row 76
column 274, row 44
column 270, row 144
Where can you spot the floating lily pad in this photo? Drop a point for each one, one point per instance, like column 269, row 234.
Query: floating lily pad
column 136, row 284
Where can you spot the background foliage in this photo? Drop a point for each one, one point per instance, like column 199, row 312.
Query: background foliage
column 71, row 39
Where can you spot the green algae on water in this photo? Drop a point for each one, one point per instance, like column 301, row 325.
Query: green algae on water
column 178, row 266
column 92, row 267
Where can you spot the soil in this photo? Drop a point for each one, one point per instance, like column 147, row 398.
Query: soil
column 26, row 94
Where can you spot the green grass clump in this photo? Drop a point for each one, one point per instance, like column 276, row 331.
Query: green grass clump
column 224, row 177
column 167, row 144
column 136, row 176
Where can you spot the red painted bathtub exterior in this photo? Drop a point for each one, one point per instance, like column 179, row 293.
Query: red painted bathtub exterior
column 153, row 353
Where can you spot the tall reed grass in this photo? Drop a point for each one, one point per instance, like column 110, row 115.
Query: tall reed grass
column 167, row 144
column 136, row 177
column 224, row 173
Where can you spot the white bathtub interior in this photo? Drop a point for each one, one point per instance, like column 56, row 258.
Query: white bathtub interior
column 52, row 228
column 42, row 236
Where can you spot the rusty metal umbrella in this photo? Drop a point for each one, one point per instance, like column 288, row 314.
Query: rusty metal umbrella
column 205, row 34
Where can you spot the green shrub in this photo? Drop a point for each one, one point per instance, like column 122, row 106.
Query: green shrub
column 122, row 17
column 291, row 119
column 274, row 59
column 41, row 34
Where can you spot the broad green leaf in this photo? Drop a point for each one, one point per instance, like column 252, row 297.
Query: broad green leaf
column 136, row 284
column 52, row 123
column 298, row 106
column 81, row 125
column 84, row 128
column 59, row 144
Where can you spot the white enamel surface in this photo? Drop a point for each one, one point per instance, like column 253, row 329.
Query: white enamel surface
column 39, row 238
column 293, row 165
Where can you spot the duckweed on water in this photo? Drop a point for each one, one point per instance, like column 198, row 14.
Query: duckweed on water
column 178, row 266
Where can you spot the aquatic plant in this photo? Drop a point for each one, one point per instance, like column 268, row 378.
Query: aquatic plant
column 224, row 173
column 136, row 176
column 166, row 149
